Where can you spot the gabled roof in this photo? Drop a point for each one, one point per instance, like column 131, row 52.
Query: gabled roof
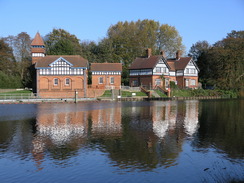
column 146, row 62
column 37, row 41
column 75, row 60
column 106, row 67
column 179, row 64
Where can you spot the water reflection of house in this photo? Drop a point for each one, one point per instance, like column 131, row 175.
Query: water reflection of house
column 62, row 125
column 163, row 118
column 107, row 121
column 191, row 117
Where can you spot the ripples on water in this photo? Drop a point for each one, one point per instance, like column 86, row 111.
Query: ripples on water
column 185, row 141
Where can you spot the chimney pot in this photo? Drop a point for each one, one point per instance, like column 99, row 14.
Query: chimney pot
column 162, row 52
column 149, row 52
column 178, row 54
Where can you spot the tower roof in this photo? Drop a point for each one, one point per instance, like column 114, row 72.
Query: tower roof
column 38, row 41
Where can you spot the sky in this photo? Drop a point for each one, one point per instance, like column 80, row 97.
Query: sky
column 89, row 20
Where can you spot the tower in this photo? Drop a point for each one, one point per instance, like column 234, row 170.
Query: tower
column 37, row 48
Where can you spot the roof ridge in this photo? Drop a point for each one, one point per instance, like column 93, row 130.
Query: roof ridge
column 38, row 41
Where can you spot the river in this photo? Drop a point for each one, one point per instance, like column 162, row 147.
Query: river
column 156, row 141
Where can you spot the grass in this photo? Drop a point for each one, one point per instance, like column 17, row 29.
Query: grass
column 160, row 93
column 108, row 93
column 18, row 92
column 202, row 92
column 129, row 94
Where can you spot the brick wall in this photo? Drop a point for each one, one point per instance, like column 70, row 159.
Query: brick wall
column 106, row 81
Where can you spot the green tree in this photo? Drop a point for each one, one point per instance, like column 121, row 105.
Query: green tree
column 222, row 64
column 9, row 77
column 23, row 56
column 169, row 40
column 128, row 40
column 61, row 42
column 198, row 48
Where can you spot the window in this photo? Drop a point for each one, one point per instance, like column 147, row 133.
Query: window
column 55, row 81
column 158, row 69
column 187, row 71
column 161, row 61
column 112, row 80
column 100, row 80
column 187, row 82
column 164, row 69
column 158, row 82
column 135, row 83
column 192, row 71
column 193, row 82
column 67, row 81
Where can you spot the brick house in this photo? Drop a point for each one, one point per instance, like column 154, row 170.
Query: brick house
column 106, row 75
column 58, row 76
column 155, row 70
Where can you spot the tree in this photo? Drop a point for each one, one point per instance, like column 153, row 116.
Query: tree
column 61, row 42
column 222, row 64
column 6, row 58
column 236, row 34
column 169, row 40
column 22, row 47
column 129, row 40
column 198, row 48
column 9, row 78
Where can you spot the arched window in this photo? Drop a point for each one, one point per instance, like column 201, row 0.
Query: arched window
column 55, row 81
column 67, row 81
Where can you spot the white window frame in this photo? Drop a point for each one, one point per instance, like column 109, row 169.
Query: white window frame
column 67, row 81
column 158, row 82
column 100, row 80
column 158, row 69
column 193, row 82
column 55, row 81
column 112, row 80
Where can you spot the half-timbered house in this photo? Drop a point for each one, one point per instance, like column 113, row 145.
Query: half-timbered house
column 155, row 70
column 58, row 76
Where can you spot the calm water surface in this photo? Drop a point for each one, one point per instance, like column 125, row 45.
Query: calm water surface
column 162, row 141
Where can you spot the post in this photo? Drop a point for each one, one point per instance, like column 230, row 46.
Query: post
column 85, row 83
column 76, row 93
column 169, row 91
column 112, row 94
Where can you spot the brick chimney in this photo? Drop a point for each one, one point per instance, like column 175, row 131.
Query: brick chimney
column 148, row 52
column 162, row 52
column 178, row 54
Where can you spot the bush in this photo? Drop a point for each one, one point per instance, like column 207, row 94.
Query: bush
column 7, row 81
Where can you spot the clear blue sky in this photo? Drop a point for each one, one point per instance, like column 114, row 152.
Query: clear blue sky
column 196, row 20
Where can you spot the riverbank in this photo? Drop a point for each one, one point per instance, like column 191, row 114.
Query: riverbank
column 31, row 101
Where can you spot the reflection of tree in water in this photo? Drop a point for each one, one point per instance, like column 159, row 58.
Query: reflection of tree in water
column 16, row 136
column 221, row 126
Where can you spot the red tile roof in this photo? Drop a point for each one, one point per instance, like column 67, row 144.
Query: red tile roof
column 146, row 62
column 151, row 62
column 76, row 60
column 106, row 67
column 178, row 64
column 37, row 41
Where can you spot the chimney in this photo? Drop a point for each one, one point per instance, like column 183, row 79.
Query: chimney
column 178, row 54
column 148, row 52
column 162, row 52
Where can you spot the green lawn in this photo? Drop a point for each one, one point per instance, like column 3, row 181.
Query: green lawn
column 129, row 94
column 18, row 92
column 160, row 93
column 108, row 93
